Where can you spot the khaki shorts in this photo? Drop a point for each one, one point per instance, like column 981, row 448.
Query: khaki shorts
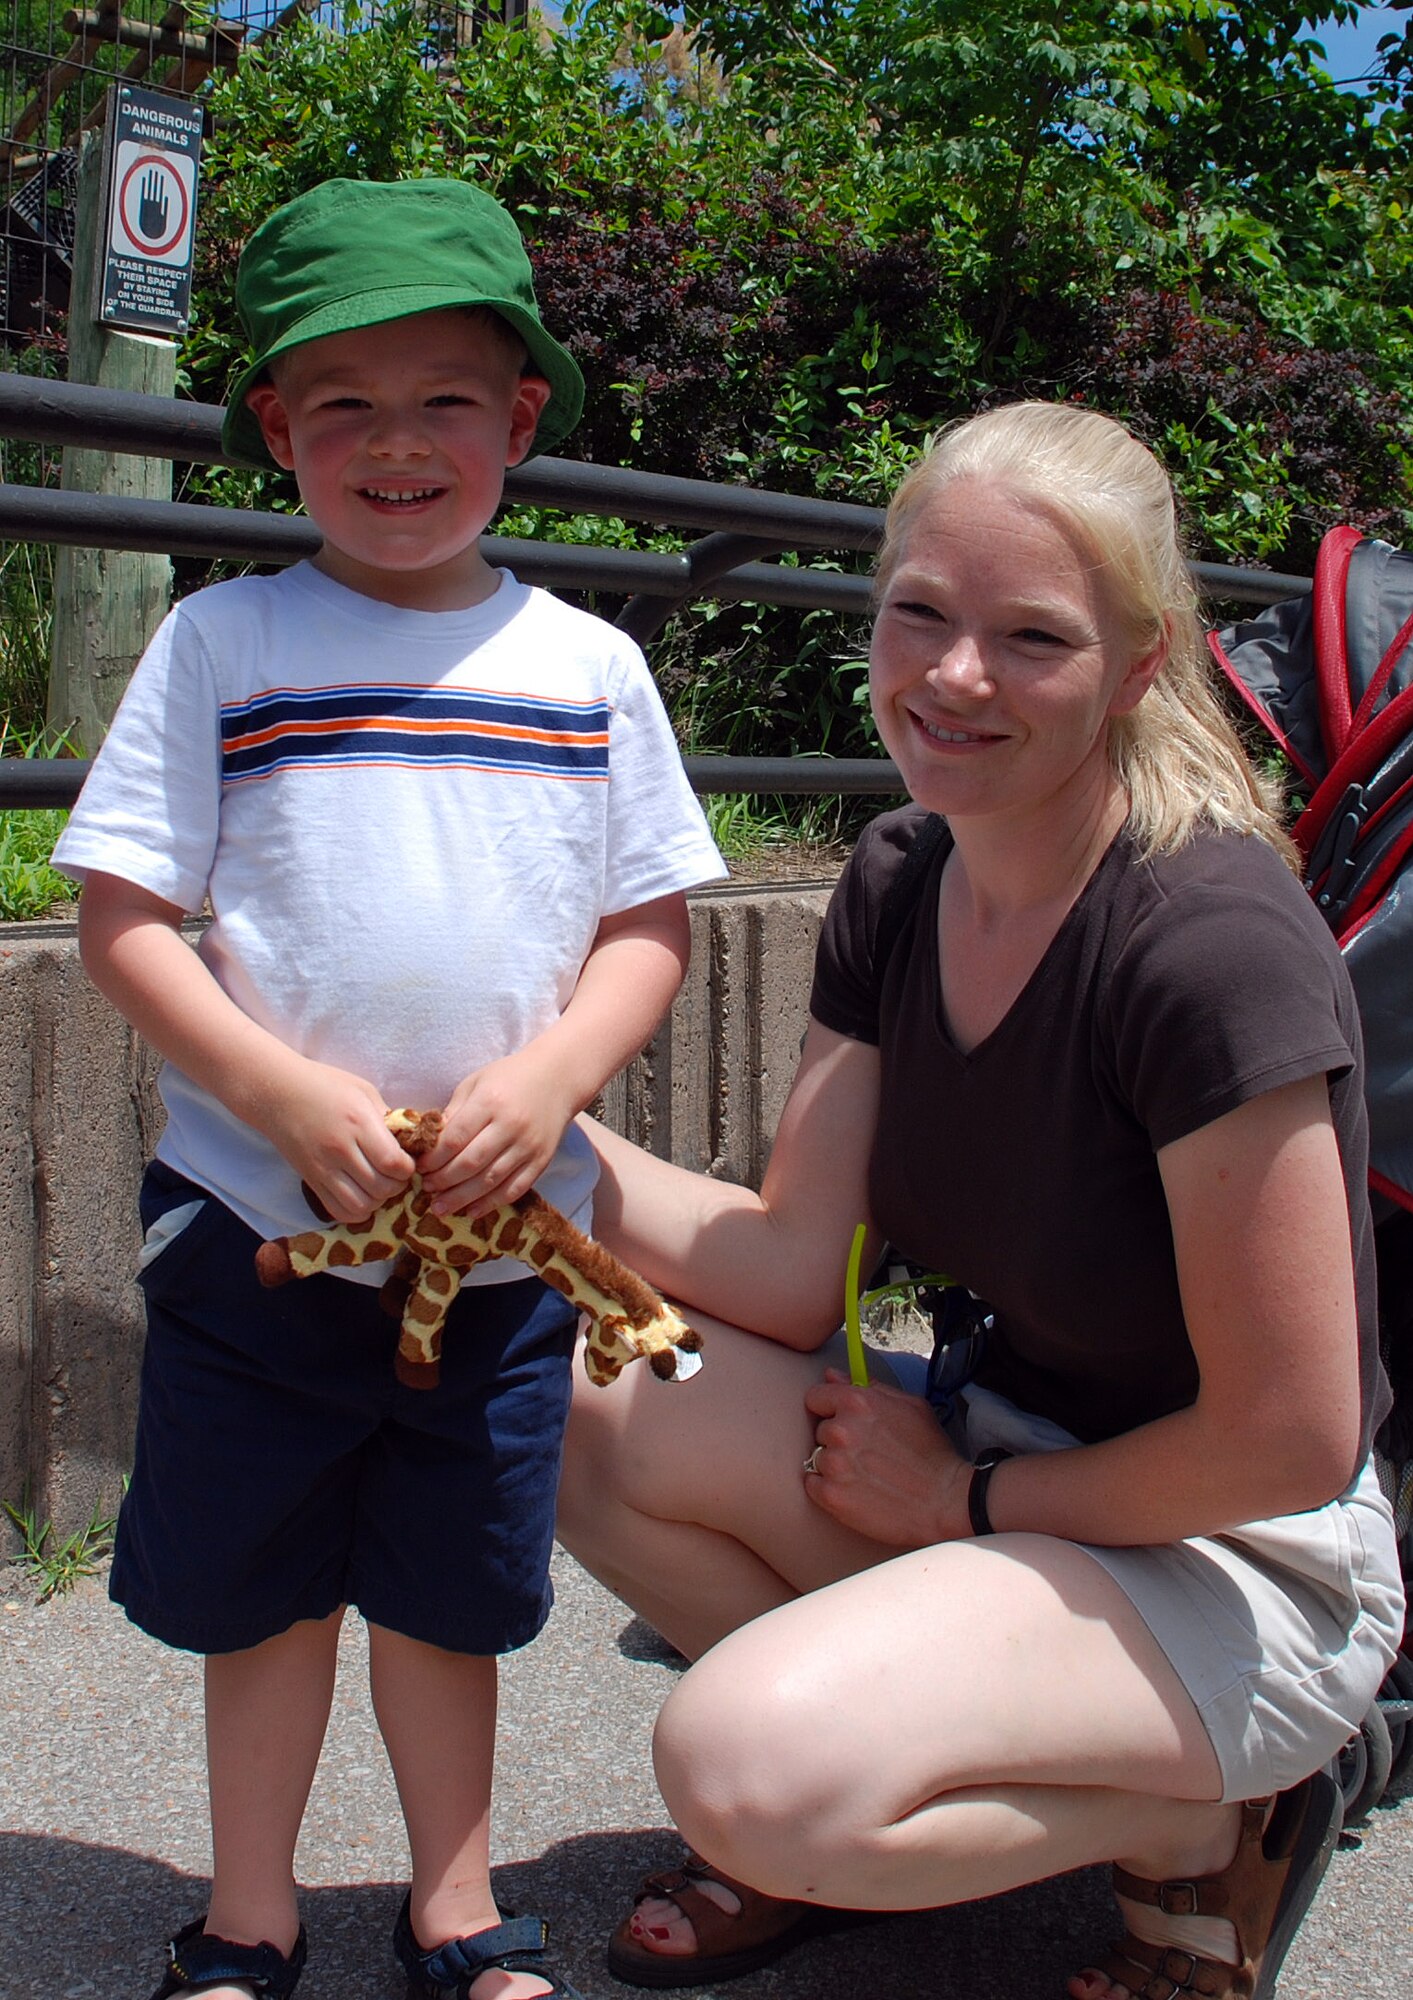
column 1281, row 1631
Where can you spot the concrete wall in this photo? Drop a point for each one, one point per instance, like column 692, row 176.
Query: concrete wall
column 79, row 1113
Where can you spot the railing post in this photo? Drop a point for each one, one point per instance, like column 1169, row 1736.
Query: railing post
column 107, row 604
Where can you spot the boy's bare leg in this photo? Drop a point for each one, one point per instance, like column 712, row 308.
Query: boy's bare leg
column 437, row 1714
column 266, row 1712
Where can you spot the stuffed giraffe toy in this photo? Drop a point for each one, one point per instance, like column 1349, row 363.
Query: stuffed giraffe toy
column 432, row 1252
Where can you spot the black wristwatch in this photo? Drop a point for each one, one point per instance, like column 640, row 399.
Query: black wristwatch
column 976, row 1492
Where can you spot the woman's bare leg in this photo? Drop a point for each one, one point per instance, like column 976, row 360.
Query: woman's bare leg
column 687, row 1500
column 1073, row 1742
column 947, row 1725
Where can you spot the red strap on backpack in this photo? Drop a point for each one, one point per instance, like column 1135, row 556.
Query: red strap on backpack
column 1331, row 637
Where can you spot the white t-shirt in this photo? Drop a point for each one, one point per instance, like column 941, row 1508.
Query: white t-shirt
column 409, row 826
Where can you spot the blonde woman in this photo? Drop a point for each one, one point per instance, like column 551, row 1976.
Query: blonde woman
column 1108, row 1077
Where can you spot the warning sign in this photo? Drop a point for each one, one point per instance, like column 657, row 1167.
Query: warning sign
column 154, row 153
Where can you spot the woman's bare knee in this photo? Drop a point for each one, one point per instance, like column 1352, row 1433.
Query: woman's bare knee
column 683, row 1452
column 737, row 1751
column 797, row 1752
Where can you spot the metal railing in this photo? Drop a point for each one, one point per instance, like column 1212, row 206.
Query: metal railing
column 743, row 525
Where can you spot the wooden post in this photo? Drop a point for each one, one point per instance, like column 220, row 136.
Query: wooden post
column 107, row 602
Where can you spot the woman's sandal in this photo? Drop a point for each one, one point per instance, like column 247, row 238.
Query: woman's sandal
column 1264, row 1894
column 198, row 1961
column 729, row 1942
column 450, row 1971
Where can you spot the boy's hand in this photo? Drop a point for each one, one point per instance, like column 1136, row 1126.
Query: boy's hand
column 503, row 1125
column 329, row 1125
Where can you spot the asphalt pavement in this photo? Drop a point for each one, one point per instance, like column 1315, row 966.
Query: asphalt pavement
column 103, row 1851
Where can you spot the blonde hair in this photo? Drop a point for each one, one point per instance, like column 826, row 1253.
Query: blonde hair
column 1176, row 755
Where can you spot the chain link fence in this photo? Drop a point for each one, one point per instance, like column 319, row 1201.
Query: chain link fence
column 58, row 63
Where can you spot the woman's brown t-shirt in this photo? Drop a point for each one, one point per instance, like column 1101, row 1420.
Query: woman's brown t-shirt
column 1176, row 989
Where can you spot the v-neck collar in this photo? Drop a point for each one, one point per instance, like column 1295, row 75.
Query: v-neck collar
column 1014, row 1017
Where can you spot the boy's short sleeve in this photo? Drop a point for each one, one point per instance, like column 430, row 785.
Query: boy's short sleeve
column 657, row 841
column 149, row 809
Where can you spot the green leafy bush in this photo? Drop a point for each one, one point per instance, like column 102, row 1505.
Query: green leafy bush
column 1273, row 442
column 29, row 887
column 787, row 242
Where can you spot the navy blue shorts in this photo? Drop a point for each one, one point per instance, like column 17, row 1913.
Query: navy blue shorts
column 282, row 1469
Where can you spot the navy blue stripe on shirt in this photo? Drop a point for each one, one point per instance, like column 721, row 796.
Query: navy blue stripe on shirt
column 285, row 729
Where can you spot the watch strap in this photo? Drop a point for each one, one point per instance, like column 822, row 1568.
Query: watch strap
column 981, row 1473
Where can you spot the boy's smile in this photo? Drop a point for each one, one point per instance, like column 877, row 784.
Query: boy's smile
column 399, row 435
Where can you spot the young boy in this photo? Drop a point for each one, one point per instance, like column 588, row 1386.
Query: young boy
column 445, row 836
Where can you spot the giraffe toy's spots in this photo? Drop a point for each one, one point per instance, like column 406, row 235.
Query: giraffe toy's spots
column 626, row 1318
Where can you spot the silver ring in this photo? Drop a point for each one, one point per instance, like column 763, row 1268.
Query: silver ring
column 811, row 1463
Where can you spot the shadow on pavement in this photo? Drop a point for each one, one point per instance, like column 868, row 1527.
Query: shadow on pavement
column 640, row 1641
column 90, row 1920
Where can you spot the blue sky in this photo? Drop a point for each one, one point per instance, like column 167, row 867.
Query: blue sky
column 1351, row 49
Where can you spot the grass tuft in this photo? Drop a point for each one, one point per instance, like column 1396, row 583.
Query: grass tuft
column 29, row 886
column 741, row 826
column 57, row 1566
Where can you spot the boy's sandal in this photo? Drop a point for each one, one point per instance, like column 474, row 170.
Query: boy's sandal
column 729, row 1942
column 197, row 1961
column 1263, row 1894
column 450, row 1971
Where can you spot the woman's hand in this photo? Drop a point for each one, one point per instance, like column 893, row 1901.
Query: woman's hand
column 884, row 1466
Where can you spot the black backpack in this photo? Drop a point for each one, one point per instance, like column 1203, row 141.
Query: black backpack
column 1329, row 677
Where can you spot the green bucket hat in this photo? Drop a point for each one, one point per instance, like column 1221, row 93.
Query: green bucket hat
column 355, row 253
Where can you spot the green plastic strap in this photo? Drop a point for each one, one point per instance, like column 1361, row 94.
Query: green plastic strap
column 858, row 1366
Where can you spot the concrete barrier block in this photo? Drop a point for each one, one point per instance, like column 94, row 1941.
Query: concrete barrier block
column 742, row 1022
column 730, row 1038
column 17, row 1223
column 81, row 1114
column 708, row 1090
column 95, row 1119
column 689, row 1110
column 783, row 969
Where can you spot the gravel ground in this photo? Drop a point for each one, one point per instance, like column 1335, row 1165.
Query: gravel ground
column 103, row 1851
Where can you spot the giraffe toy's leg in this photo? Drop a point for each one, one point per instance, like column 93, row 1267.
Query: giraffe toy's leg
column 396, row 1288
column 419, row 1350
column 371, row 1241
